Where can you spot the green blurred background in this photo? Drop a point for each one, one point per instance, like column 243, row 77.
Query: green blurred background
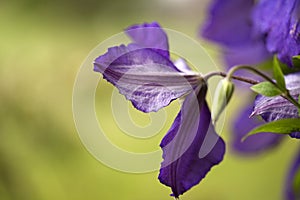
column 43, row 44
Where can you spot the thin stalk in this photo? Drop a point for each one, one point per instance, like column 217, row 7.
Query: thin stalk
column 234, row 69
column 223, row 74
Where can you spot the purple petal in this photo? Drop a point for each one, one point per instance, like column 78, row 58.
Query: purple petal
column 275, row 108
column 279, row 21
column 183, row 166
column 149, row 36
column 292, row 190
column 229, row 24
column 255, row 143
column 146, row 78
column 182, row 66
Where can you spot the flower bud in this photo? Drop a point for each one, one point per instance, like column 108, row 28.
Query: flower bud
column 222, row 96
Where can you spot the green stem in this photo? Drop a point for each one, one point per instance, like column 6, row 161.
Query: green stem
column 234, row 69
column 284, row 93
column 291, row 99
column 223, row 74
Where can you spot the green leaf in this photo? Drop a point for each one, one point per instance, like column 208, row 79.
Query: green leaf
column 278, row 75
column 283, row 126
column 266, row 89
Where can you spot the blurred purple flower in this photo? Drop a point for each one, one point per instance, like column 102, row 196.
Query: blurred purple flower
column 250, row 31
column 279, row 21
column 230, row 25
column 145, row 75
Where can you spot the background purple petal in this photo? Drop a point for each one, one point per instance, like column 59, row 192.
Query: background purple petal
column 182, row 167
column 292, row 193
column 249, row 54
column 229, row 23
column 146, row 78
column 279, row 21
column 149, row 35
column 255, row 143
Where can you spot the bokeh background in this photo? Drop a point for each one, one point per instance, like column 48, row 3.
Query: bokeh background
column 43, row 44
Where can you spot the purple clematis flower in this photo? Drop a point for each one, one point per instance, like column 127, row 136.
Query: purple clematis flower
column 274, row 108
column 144, row 73
column 279, row 21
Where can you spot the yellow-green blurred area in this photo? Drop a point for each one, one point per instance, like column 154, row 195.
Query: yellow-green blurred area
column 43, row 44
